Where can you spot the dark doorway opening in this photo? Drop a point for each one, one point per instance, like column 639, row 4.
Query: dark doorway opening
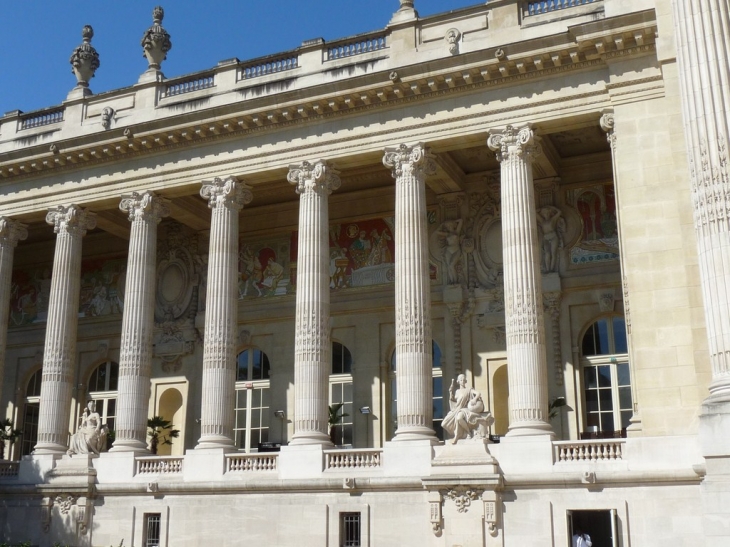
column 601, row 525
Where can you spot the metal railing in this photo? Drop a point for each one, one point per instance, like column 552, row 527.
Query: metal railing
column 264, row 67
column 159, row 465
column 9, row 469
column 602, row 450
column 42, row 118
column 251, row 462
column 189, row 85
column 546, row 6
column 353, row 459
column 357, row 46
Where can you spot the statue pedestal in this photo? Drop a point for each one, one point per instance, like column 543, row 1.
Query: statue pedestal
column 467, row 456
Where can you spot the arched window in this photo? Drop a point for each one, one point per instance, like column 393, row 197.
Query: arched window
column 606, row 378
column 341, row 392
column 103, row 384
column 252, row 399
column 31, row 411
column 438, row 392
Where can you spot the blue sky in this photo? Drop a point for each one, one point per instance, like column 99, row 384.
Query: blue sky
column 38, row 37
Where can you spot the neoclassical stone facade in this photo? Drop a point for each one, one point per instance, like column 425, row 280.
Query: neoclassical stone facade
column 492, row 310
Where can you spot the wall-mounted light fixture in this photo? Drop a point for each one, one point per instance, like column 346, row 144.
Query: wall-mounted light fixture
column 280, row 414
column 365, row 410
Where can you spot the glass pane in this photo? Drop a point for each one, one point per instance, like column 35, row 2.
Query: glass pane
column 347, row 391
column 240, row 398
column 605, row 398
column 593, row 420
column 624, row 397
column 438, row 429
column 111, row 408
column 625, row 418
column 607, row 421
column 592, row 401
column 256, row 371
column 438, row 389
column 264, row 435
column 392, row 362
column 255, row 438
column 242, row 366
column 602, row 346
column 256, row 398
column 266, row 367
column 34, row 385
column 113, row 376
column 436, row 354
column 604, row 376
column 623, row 374
column 438, row 408
column 589, row 341
column 265, row 396
column 591, row 382
column 94, row 381
column 241, row 418
column 347, row 434
column 619, row 335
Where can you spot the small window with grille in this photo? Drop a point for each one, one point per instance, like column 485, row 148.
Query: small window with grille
column 151, row 530
column 350, row 530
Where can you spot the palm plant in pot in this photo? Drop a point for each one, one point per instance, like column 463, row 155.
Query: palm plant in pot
column 335, row 419
column 160, row 431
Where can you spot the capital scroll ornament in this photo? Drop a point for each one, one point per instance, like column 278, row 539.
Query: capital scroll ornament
column 317, row 176
column 12, row 231
column 228, row 192
column 145, row 206
column 608, row 125
column 514, row 142
column 417, row 158
column 71, row 219
column 84, row 59
column 156, row 40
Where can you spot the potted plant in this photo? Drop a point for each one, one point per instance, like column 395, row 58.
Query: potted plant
column 335, row 418
column 160, row 431
column 7, row 433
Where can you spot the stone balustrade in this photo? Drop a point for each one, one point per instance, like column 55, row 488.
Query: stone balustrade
column 39, row 119
column 239, row 463
column 268, row 65
column 353, row 459
column 188, row 85
column 546, row 6
column 357, row 46
column 159, row 465
column 9, row 469
column 606, row 450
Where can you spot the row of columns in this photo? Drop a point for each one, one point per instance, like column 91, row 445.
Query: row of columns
column 516, row 149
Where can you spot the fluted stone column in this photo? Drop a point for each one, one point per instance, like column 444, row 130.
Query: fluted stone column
column 413, row 342
column 313, row 348
column 59, row 356
column 11, row 232
column 526, row 349
column 145, row 211
column 226, row 197
column 703, row 34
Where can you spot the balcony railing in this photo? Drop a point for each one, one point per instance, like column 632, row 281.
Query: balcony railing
column 251, row 462
column 265, row 67
column 356, row 46
column 189, row 85
column 159, row 465
column 42, row 118
column 607, row 450
column 353, row 459
column 9, row 469
column 546, row 6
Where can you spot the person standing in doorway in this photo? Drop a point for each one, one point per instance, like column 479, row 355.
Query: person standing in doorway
column 581, row 539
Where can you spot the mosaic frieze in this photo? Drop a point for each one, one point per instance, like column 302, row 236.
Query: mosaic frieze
column 598, row 242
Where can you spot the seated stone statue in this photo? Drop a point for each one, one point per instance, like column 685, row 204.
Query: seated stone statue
column 90, row 438
column 467, row 418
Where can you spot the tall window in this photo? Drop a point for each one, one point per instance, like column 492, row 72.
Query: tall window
column 606, row 378
column 341, row 392
column 31, row 411
column 350, row 529
column 152, row 527
column 103, row 390
column 438, row 392
column 252, row 399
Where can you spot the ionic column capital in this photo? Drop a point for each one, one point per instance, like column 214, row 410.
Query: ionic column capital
column 71, row 219
column 12, row 231
column 515, row 142
column 318, row 177
column 229, row 193
column 145, row 206
column 403, row 159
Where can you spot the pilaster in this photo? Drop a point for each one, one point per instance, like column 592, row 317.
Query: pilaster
column 59, row 356
column 516, row 149
column 313, row 348
column 413, row 341
column 226, row 197
column 145, row 211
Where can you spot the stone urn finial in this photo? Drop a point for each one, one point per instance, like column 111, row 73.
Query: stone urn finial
column 84, row 59
column 156, row 40
column 406, row 4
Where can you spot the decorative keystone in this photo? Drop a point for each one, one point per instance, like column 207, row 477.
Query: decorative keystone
column 156, row 40
column 84, row 59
